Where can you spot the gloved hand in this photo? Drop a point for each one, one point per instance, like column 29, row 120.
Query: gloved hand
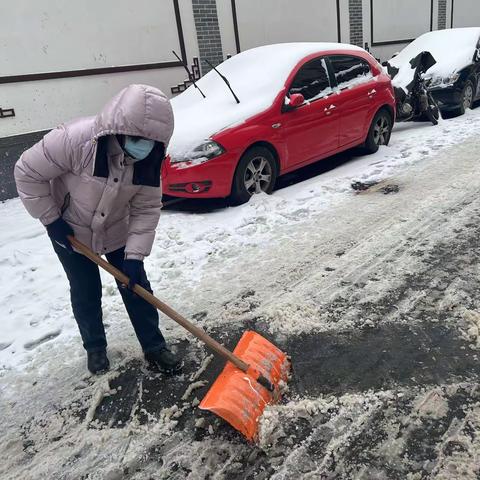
column 58, row 231
column 134, row 270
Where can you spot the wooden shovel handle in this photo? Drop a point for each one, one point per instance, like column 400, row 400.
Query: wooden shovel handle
column 163, row 307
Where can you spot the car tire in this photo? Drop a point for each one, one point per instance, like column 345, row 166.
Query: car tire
column 256, row 172
column 466, row 99
column 379, row 132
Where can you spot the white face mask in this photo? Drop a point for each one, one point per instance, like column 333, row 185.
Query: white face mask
column 138, row 149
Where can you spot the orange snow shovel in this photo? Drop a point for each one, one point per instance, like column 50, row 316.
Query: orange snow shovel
column 251, row 377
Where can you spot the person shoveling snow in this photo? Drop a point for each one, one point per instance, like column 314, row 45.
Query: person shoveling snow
column 98, row 178
column 95, row 184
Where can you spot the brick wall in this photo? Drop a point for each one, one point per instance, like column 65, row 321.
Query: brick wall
column 356, row 22
column 208, row 33
column 442, row 14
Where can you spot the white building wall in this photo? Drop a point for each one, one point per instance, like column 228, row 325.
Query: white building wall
column 54, row 35
column 42, row 105
column 466, row 13
column 344, row 21
column 57, row 35
column 227, row 31
column 276, row 21
column 272, row 21
column 395, row 23
column 394, row 20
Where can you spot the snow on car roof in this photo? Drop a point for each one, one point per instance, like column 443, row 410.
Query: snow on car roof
column 256, row 76
column 453, row 49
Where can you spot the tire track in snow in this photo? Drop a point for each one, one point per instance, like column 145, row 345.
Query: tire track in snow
column 361, row 414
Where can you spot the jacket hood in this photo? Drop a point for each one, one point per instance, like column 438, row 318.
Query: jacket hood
column 138, row 110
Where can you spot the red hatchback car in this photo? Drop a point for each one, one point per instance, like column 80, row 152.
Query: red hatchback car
column 289, row 105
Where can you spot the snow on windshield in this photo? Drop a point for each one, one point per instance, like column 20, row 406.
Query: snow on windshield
column 453, row 49
column 256, row 76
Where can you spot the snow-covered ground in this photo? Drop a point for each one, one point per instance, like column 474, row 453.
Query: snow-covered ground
column 35, row 305
column 311, row 263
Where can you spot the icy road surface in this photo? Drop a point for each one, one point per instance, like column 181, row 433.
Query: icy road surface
column 375, row 297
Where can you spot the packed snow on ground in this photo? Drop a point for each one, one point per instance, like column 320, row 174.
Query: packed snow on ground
column 257, row 76
column 35, row 301
column 453, row 49
column 195, row 266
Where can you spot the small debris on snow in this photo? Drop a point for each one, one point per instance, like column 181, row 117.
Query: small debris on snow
column 103, row 390
column 193, row 386
column 390, row 189
column 375, row 186
column 359, row 186
column 203, row 367
column 200, row 422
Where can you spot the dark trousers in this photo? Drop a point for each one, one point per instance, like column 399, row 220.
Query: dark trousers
column 86, row 298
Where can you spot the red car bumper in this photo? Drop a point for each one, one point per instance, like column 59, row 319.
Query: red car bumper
column 212, row 179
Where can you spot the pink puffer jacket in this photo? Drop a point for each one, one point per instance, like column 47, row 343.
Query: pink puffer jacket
column 79, row 171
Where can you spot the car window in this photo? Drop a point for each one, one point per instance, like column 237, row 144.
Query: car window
column 350, row 71
column 312, row 81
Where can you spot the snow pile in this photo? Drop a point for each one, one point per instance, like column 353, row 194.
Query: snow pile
column 257, row 76
column 453, row 49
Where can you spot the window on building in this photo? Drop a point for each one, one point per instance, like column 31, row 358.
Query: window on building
column 312, row 80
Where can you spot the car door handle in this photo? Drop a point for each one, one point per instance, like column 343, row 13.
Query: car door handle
column 372, row 93
column 328, row 110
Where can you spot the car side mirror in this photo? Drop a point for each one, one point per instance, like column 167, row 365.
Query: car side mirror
column 296, row 100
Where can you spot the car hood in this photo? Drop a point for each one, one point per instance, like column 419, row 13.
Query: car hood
column 453, row 50
column 256, row 76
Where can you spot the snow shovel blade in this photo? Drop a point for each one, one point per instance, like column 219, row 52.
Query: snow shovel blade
column 236, row 396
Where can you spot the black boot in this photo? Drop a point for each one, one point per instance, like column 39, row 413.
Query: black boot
column 98, row 361
column 164, row 360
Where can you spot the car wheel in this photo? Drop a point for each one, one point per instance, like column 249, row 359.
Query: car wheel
column 256, row 173
column 379, row 132
column 466, row 98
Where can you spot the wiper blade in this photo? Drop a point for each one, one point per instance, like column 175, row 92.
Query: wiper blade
column 190, row 74
column 225, row 80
